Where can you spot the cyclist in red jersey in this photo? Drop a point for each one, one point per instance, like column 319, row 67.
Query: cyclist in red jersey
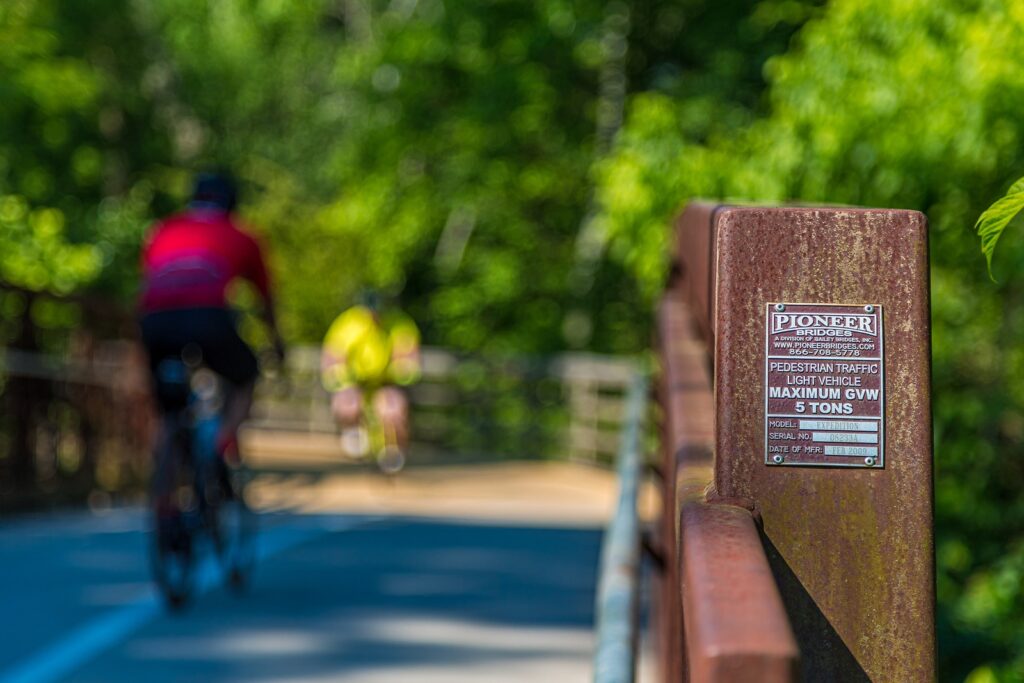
column 188, row 261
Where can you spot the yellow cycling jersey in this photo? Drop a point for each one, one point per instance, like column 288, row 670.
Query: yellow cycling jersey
column 361, row 350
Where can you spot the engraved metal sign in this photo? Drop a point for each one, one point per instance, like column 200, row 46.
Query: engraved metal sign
column 824, row 392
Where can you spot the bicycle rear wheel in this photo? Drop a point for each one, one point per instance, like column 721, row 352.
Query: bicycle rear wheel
column 173, row 560
column 175, row 518
column 391, row 460
column 238, row 529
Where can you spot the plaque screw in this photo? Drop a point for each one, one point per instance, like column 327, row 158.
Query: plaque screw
column 780, row 307
column 869, row 309
column 870, row 462
column 777, row 459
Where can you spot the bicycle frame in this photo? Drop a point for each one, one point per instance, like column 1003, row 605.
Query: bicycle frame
column 188, row 447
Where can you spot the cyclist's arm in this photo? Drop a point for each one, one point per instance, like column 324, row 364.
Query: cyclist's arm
column 334, row 373
column 405, row 366
column 333, row 370
column 257, row 273
column 270, row 318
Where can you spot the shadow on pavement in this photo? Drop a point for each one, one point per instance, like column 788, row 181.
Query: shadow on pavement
column 398, row 599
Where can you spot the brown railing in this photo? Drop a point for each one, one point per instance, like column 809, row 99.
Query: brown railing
column 719, row 603
column 76, row 418
column 780, row 566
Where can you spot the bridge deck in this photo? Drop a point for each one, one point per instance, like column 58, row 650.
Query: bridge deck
column 413, row 587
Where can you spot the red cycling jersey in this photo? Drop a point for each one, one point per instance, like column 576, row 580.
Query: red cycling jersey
column 189, row 260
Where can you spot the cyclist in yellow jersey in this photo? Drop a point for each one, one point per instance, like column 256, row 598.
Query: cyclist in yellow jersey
column 366, row 358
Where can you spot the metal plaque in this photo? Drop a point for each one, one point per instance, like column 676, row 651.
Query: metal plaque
column 824, row 385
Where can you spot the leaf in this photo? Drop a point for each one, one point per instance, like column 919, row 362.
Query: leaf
column 993, row 221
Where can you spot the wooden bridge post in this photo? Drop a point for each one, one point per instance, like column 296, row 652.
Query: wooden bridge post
column 823, row 425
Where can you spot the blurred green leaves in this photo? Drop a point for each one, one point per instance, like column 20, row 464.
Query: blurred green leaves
column 35, row 252
column 366, row 132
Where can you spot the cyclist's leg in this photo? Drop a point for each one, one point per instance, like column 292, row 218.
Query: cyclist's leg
column 392, row 409
column 159, row 337
column 226, row 354
column 164, row 468
column 347, row 406
column 237, row 405
column 349, row 414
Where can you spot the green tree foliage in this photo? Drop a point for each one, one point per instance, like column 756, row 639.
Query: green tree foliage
column 440, row 150
column 48, row 141
column 909, row 104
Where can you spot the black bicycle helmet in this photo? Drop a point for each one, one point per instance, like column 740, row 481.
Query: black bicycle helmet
column 369, row 298
column 215, row 191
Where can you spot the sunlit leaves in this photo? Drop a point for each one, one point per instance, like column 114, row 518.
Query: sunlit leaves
column 35, row 252
column 994, row 221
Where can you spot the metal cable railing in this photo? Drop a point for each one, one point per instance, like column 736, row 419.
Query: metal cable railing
column 617, row 593
column 476, row 406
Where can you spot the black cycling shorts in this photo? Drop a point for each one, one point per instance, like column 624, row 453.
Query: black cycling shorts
column 166, row 334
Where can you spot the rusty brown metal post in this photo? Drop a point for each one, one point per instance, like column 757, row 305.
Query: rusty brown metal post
column 823, row 423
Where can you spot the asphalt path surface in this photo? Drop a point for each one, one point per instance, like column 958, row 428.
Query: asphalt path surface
column 334, row 598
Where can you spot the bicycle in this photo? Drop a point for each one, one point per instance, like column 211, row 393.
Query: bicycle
column 373, row 436
column 197, row 495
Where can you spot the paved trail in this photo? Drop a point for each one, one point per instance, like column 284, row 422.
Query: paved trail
column 337, row 597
